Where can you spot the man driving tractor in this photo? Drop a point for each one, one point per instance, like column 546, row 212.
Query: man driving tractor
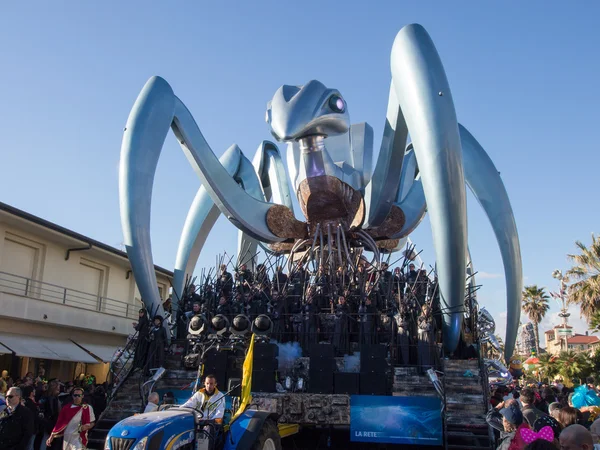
column 208, row 400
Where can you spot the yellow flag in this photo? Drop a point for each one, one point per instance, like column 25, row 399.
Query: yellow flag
column 246, row 380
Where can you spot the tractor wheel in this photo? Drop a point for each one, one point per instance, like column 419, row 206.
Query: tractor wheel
column 269, row 438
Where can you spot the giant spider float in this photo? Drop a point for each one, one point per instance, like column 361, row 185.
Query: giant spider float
column 345, row 204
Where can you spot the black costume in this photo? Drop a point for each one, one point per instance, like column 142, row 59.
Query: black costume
column 141, row 349
column 341, row 332
column 158, row 341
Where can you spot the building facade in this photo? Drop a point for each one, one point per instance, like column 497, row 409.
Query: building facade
column 583, row 343
column 67, row 302
column 557, row 337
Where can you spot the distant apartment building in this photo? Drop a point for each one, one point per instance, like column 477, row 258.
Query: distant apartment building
column 67, row 302
column 526, row 339
column 583, row 343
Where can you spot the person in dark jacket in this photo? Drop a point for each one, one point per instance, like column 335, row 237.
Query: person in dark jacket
column 99, row 400
column 508, row 420
column 142, row 326
column 50, row 406
column 16, row 423
column 28, row 393
column 158, row 341
column 530, row 412
column 341, row 332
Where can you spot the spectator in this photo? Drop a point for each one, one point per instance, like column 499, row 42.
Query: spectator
column 73, row 423
column 153, row 400
column 99, row 400
column 168, row 400
column 50, row 406
column 8, row 380
column 530, row 412
column 541, row 444
column 595, row 430
column 569, row 416
column 16, row 425
column 508, row 419
column 576, row 437
column 553, row 409
column 3, row 389
column 30, row 403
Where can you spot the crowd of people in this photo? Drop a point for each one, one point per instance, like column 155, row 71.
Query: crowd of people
column 39, row 414
column 347, row 308
column 545, row 417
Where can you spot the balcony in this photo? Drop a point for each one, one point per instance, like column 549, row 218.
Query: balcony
column 18, row 293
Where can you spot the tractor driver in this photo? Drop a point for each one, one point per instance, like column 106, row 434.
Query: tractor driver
column 208, row 400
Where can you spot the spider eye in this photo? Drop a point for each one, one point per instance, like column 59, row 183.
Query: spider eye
column 337, row 104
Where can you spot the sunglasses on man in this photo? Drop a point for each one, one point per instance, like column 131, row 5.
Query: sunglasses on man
column 77, row 395
column 10, row 396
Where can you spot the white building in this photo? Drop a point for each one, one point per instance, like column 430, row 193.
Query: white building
column 66, row 301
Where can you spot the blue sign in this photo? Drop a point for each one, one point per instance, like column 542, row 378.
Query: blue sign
column 396, row 420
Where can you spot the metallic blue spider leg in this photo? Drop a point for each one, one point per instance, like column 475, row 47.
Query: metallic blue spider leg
column 155, row 110
column 145, row 133
column 410, row 197
column 200, row 219
column 248, row 178
column 244, row 211
column 485, row 182
column 424, row 96
column 409, row 173
column 383, row 187
column 414, row 207
column 271, row 172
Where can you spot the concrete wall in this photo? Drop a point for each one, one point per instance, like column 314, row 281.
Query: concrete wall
column 28, row 250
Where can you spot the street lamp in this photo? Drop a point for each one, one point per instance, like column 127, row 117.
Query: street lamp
column 561, row 295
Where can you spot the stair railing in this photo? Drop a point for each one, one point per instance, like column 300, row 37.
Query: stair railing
column 121, row 365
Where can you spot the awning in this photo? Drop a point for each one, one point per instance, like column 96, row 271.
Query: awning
column 103, row 353
column 4, row 350
column 45, row 348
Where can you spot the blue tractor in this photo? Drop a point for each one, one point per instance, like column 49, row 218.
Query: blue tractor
column 185, row 429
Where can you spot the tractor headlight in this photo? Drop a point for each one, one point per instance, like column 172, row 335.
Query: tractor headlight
column 141, row 445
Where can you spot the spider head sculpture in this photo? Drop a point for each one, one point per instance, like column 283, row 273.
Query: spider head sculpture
column 299, row 112
column 305, row 116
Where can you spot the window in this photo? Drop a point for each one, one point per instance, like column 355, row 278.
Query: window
column 21, row 259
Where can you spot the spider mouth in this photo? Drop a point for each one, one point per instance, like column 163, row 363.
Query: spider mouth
column 325, row 198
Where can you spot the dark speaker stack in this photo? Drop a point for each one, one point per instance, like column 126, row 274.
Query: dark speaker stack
column 346, row 383
column 215, row 363
column 264, row 367
column 321, row 369
column 373, row 370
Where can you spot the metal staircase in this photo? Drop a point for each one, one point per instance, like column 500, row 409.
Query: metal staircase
column 466, row 406
column 128, row 397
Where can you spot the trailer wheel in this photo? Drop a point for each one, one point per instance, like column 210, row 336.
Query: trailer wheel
column 269, row 438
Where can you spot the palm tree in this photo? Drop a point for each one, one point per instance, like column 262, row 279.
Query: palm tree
column 585, row 292
column 535, row 305
column 548, row 366
column 574, row 365
column 594, row 322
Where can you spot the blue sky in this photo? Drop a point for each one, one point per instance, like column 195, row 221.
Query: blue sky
column 523, row 76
